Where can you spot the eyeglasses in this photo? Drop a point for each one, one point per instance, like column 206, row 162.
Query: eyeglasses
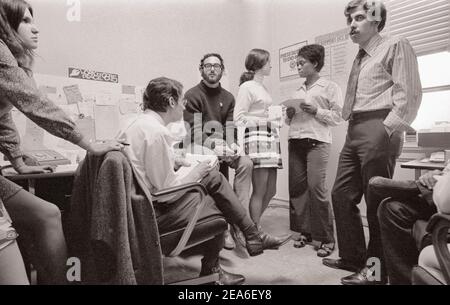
column 210, row 66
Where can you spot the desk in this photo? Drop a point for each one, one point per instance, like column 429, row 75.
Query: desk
column 418, row 166
column 60, row 171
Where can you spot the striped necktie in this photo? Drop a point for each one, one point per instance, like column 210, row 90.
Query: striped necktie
column 352, row 84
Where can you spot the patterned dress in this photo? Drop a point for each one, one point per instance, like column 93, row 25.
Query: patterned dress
column 18, row 89
column 261, row 139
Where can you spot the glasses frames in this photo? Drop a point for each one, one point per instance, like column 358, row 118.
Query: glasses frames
column 210, row 66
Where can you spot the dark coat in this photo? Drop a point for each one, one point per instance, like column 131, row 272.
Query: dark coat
column 113, row 228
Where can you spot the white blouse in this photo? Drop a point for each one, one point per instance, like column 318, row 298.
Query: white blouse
column 252, row 103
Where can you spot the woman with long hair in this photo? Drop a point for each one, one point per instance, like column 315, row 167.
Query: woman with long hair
column 34, row 218
column 261, row 135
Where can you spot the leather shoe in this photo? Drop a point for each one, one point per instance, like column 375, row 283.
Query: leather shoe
column 274, row 242
column 257, row 243
column 225, row 278
column 362, row 277
column 228, row 241
column 341, row 263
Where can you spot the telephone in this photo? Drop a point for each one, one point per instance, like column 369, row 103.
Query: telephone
column 44, row 157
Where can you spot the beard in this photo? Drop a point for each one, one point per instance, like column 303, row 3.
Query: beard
column 211, row 78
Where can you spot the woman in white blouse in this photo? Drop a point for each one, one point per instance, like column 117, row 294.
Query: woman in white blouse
column 319, row 108
column 261, row 135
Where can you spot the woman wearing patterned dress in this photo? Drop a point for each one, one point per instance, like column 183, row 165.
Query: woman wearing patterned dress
column 261, row 136
column 39, row 218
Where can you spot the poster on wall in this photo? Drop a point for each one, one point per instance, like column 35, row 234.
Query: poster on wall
column 93, row 75
column 288, row 61
column 339, row 55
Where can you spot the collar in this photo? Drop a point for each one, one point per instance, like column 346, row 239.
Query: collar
column 154, row 115
column 321, row 82
column 372, row 44
column 205, row 87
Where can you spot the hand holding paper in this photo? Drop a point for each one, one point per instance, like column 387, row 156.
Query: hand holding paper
column 294, row 103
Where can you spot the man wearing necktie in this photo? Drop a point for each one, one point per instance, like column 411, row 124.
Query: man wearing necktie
column 382, row 99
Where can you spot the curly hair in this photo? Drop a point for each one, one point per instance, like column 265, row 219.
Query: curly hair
column 315, row 53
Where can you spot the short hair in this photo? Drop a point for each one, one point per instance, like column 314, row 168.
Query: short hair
column 255, row 60
column 376, row 7
column 208, row 55
column 159, row 91
column 315, row 53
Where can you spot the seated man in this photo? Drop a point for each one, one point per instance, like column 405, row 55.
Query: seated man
column 409, row 201
column 150, row 152
column 209, row 112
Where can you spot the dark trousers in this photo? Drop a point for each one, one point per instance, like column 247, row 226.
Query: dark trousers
column 309, row 208
column 397, row 216
column 221, row 200
column 368, row 151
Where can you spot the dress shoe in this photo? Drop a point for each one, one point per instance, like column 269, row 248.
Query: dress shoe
column 274, row 242
column 257, row 243
column 225, row 278
column 362, row 277
column 341, row 264
column 228, row 241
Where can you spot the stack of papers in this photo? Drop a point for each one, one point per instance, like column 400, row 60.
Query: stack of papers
column 195, row 159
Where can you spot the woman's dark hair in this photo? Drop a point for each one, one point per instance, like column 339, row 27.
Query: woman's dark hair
column 256, row 60
column 159, row 91
column 11, row 15
column 315, row 53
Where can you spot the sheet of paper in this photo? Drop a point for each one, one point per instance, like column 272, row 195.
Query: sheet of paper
column 106, row 122
column 293, row 103
column 73, row 94
column 195, row 159
column 106, row 99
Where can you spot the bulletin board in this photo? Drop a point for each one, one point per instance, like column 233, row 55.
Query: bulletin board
column 99, row 109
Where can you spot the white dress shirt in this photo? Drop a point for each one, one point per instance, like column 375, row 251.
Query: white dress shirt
column 327, row 97
column 389, row 79
column 150, row 151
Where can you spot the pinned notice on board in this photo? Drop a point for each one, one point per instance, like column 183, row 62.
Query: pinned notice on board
column 127, row 89
column 73, row 94
column 106, row 118
column 47, row 89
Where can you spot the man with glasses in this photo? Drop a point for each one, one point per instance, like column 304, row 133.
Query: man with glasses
column 209, row 112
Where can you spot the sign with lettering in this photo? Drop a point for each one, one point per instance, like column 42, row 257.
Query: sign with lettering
column 93, row 75
column 288, row 61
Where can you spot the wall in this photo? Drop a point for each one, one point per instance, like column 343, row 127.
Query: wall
column 296, row 21
column 140, row 39
column 292, row 22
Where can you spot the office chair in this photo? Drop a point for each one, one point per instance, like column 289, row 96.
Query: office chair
column 117, row 233
column 438, row 227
